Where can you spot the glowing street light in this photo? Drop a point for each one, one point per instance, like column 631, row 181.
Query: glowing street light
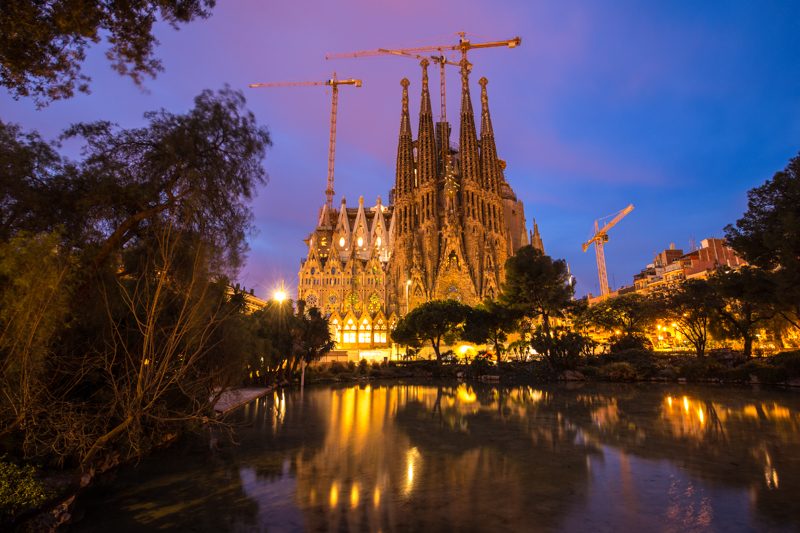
column 280, row 295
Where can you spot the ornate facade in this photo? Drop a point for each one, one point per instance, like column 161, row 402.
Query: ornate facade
column 452, row 222
column 344, row 273
column 457, row 218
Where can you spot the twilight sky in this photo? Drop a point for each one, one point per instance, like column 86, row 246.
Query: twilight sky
column 678, row 109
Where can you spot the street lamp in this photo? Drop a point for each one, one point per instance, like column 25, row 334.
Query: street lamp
column 280, row 294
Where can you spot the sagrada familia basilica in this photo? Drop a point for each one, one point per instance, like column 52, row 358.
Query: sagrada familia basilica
column 451, row 222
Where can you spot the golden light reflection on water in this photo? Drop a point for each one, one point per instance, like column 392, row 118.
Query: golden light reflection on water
column 475, row 457
column 704, row 421
column 692, row 418
column 333, row 498
column 770, row 473
column 369, row 462
column 413, row 460
column 465, row 394
column 354, row 496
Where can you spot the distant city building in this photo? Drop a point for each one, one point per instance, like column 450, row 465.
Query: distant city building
column 672, row 267
column 252, row 302
column 451, row 223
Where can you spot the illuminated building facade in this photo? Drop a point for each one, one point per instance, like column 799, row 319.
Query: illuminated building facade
column 672, row 267
column 344, row 273
column 251, row 302
column 451, row 223
column 457, row 218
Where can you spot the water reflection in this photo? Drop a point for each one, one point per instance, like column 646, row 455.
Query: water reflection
column 462, row 457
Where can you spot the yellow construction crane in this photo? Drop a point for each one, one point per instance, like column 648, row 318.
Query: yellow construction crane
column 440, row 60
column 333, row 83
column 599, row 238
column 464, row 45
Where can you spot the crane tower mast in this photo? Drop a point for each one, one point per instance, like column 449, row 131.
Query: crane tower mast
column 334, row 84
column 599, row 238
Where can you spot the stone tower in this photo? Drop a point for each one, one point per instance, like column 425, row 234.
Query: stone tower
column 456, row 219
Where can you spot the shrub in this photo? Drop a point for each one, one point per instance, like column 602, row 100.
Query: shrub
column 337, row 368
column 789, row 362
column 618, row 372
column 644, row 361
column 19, row 489
column 666, row 372
column 481, row 365
column 763, row 370
column 702, row 369
column 632, row 342
column 562, row 349
column 363, row 364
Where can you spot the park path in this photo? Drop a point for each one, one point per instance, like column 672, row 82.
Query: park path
column 231, row 399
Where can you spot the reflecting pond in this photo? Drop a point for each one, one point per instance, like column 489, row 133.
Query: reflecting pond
column 463, row 457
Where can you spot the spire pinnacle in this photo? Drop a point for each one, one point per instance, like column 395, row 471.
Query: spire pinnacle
column 465, row 68
column 426, row 137
column 404, row 177
column 405, row 83
column 536, row 237
column 490, row 166
column 468, row 141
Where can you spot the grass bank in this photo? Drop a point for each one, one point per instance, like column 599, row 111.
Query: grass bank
column 623, row 366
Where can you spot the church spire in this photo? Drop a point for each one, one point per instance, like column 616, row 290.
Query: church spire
column 536, row 237
column 426, row 140
column 490, row 166
column 467, row 138
column 405, row 150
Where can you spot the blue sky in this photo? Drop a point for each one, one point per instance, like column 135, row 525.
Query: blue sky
column 676, row 107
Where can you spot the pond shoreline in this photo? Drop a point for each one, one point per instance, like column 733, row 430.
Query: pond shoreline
column 781, row 371
column 68, row 485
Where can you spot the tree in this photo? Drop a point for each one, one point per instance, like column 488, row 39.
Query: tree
column 124, row 257
column 537, row 286
column 490, row 322
column 275, row 330
column 312, row 337
column 432, row 322
column 405, row 334
column 27, row 165
column 43, row 44
column 33, row 307
column 745, row 301
column 626, row 316
column 561, row 347
column 768, row 235
column 160, row 362
column 691, row 309
column 196, row 169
